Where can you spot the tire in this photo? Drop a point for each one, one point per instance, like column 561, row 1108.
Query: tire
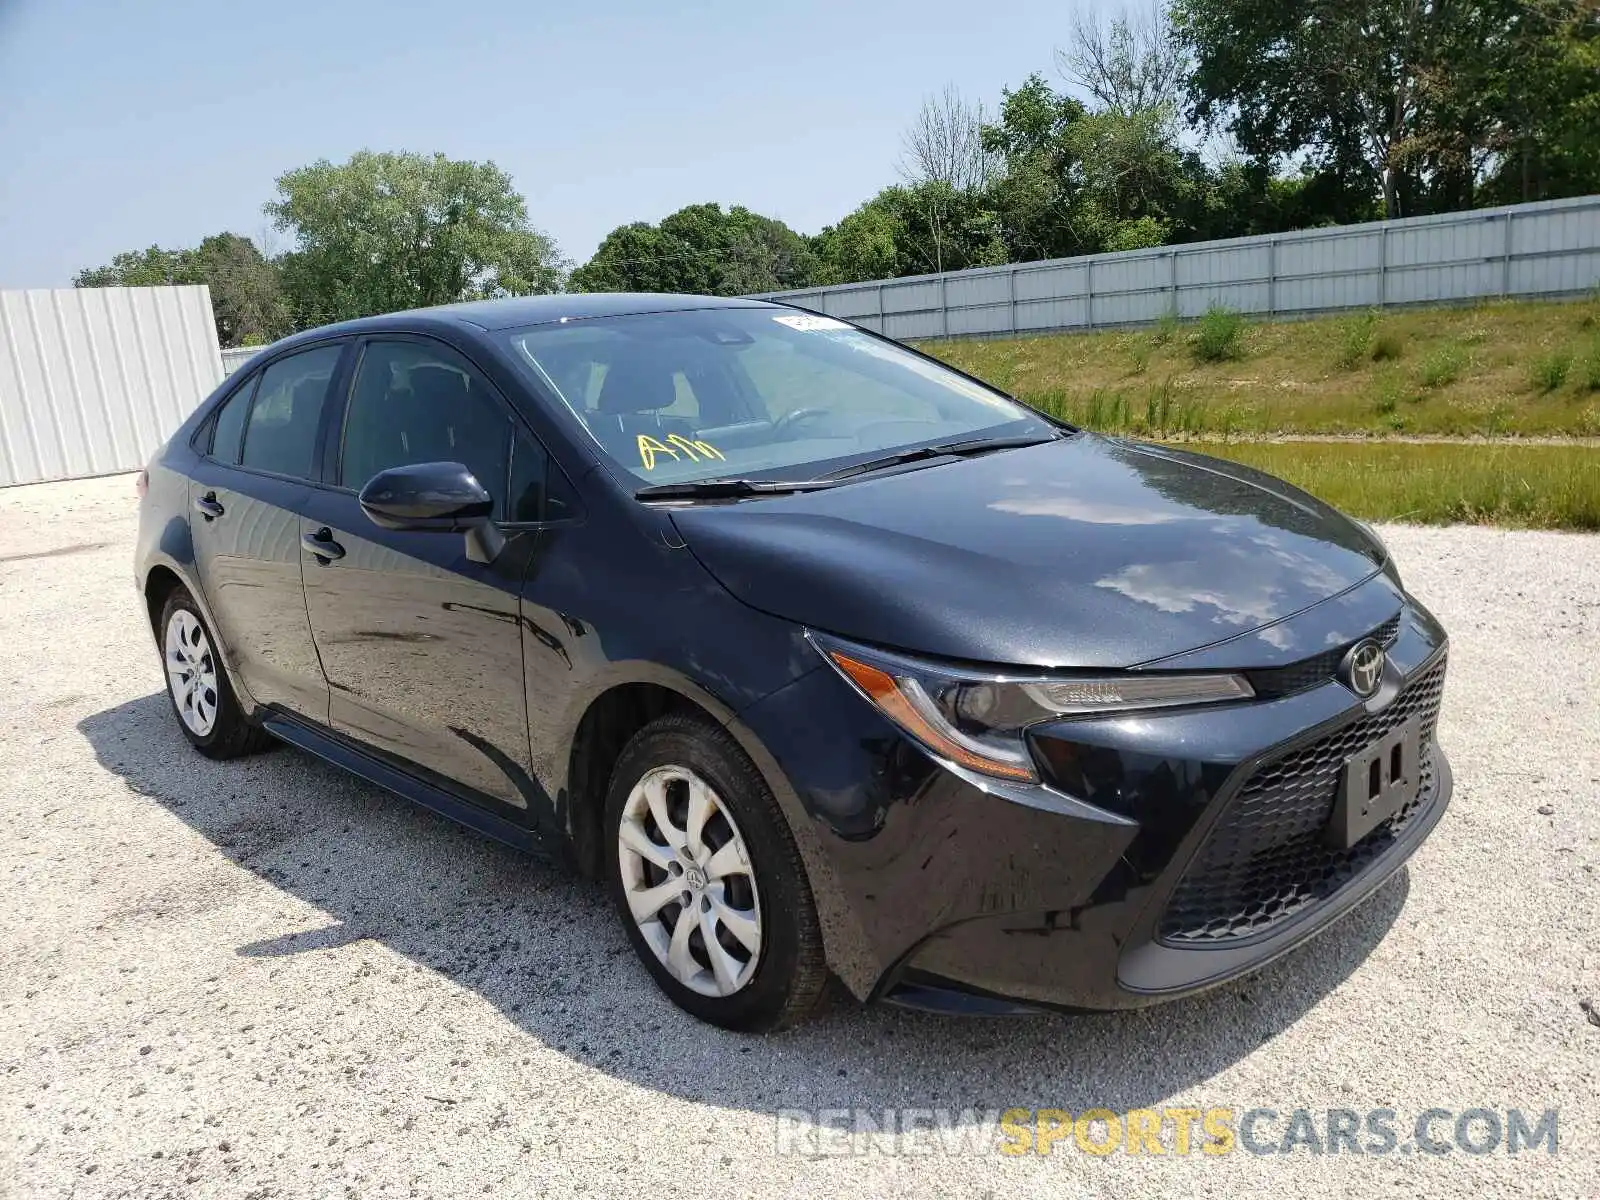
column 208, row 712
column 765, row 894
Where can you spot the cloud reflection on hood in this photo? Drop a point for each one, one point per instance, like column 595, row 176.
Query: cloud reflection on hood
column 1097, row 512
column 1245, row 588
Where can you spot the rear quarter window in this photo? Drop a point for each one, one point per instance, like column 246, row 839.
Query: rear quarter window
column 227, row 424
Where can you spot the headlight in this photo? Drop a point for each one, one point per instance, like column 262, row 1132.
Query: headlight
column 978, row 720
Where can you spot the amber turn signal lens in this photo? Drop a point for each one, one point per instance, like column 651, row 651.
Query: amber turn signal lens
column 884, row 690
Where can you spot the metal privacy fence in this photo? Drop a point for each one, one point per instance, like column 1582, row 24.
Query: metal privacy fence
column 1545, row 249
column 92, row 380
column 233, row 359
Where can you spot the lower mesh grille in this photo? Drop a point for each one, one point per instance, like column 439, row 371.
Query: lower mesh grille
column 1266, row 859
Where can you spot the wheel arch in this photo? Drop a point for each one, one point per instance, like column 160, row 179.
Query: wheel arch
column 159, row 583
column 612, row 713
column 160, row 579
column 588, row 775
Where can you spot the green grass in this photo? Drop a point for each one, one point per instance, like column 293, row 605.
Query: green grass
column 1442, row 367
column 1550, row 371
column 1541, row 487
column 1589, row 369
column 1447, row 372
column 1356, row 345
column 1387, row 346
column 1217, row 336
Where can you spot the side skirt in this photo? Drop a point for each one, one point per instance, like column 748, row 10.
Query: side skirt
column 342, row 752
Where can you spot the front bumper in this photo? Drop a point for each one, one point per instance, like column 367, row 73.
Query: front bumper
column 953, row 891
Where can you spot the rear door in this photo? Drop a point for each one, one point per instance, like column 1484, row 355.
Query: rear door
column 422, row 647
column 246, row 496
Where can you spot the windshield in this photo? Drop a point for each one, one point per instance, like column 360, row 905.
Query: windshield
column 753, row 392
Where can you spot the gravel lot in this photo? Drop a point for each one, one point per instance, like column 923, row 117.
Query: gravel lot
column 267, row 978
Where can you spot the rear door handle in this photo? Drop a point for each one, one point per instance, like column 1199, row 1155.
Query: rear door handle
column 322, row 545
column 208, row 507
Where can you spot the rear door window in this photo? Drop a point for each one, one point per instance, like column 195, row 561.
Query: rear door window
column 281, row 434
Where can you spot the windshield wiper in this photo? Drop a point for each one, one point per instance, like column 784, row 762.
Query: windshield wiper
column 713, row 489
column 957, row 449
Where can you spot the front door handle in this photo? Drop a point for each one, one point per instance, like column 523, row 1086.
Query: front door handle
column 322, row 545
column 208, row 507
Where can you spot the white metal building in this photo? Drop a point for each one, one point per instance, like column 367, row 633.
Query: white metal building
column 92, row 380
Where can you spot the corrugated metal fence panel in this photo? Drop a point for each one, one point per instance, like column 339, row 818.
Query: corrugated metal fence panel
column 92, row 380
column 1546, row 249
column 233, row 359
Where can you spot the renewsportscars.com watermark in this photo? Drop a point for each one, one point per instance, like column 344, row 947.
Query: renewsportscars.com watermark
column 841, row 1132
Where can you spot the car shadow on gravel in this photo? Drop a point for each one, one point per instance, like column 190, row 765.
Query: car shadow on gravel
column 545, row 948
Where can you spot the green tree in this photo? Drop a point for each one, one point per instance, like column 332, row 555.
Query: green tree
column 1033, row 196
column 700, row 250
column 920, row 229
column 151, row 267
column 1241, row 198
column 1077, row 181
column 247, row 298
column 246, row 294
column 1335, row 80
column 1416, row 100
column 1131, row 184
column 865, row 245
column 384, row 232
column 1549, row 102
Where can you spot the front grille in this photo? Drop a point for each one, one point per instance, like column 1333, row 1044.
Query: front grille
column 1266, row 860
column 1273, row 682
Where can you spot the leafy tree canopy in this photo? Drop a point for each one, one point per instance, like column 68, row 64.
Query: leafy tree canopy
column 919, row 229
column 1419, row 101
column 702, row 250
column 385, row 232
column 246, row 294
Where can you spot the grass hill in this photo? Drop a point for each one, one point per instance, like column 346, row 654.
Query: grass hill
column 1492, row 370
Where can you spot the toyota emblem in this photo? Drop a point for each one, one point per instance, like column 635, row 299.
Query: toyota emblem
column 1362, row 669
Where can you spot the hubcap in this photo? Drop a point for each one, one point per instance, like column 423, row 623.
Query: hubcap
column 191, row 673
column 687, row 877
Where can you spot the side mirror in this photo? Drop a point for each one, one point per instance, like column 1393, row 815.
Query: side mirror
column 434, row 497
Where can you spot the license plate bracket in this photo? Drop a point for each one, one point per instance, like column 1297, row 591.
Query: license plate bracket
column 1377, row 782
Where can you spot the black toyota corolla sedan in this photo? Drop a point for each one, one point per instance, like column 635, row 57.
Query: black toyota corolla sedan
column 824, row 657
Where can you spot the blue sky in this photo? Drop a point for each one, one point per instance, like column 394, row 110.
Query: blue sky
column 127, row 124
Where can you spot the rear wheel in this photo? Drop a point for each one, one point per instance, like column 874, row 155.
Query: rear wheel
column 197, row 684
column 707, row 879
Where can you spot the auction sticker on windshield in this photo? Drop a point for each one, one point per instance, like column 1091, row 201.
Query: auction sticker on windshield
column 808, row 323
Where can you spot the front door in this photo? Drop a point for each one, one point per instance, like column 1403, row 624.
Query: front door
column 245, row 498
column 421, row 646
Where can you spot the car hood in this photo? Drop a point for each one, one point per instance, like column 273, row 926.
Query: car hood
column 1087, row 552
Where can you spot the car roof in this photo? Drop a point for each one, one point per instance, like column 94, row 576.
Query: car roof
column 509, row 313
column 541, row 310
column 516, row 311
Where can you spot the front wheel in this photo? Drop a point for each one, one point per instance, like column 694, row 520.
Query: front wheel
column 707, row 879
column 197, row 684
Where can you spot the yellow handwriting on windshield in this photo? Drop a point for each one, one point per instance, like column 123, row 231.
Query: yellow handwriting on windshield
column 696, row 449
column 649, row 448
column 675, row 444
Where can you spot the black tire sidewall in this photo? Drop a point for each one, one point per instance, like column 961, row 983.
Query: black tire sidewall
column 788, row 915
